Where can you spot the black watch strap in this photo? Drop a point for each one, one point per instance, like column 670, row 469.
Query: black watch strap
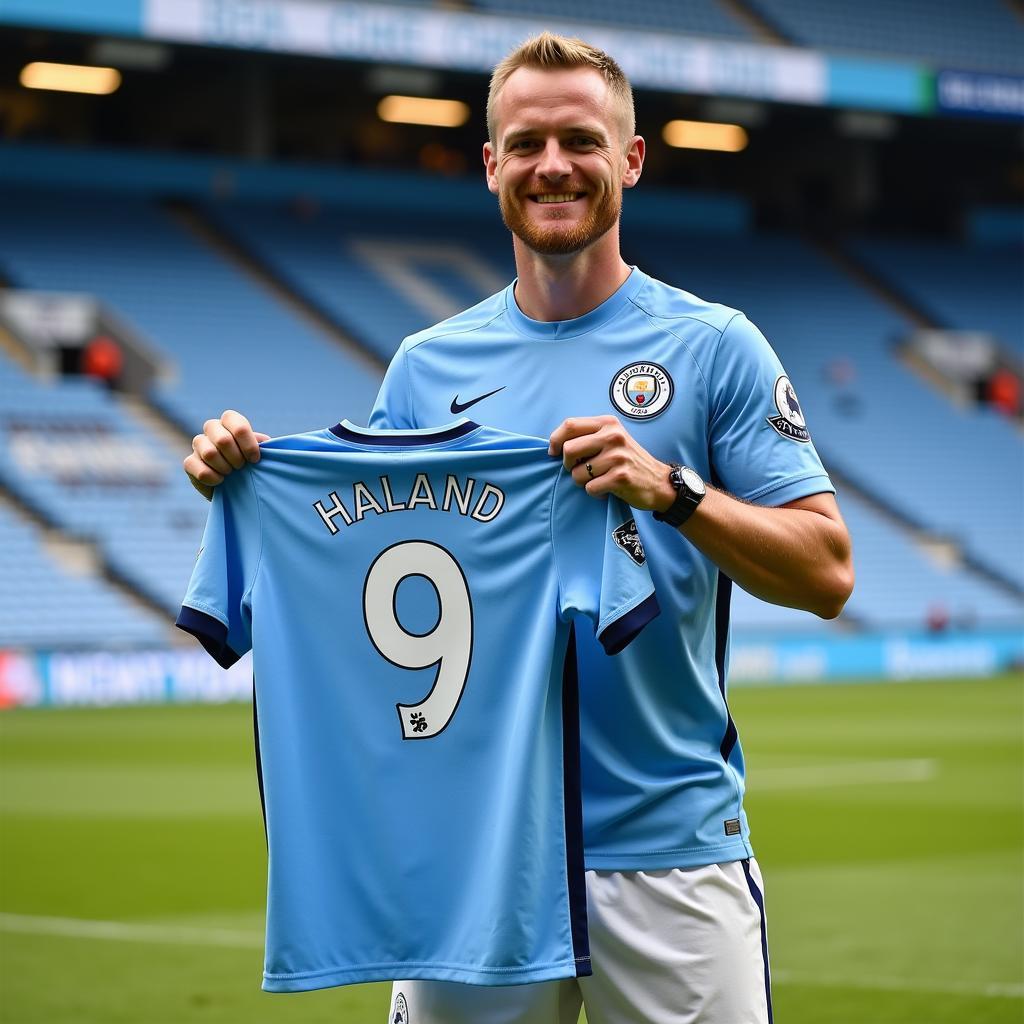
column 687, row 497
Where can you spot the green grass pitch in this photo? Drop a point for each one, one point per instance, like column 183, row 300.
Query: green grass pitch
column 887, row 819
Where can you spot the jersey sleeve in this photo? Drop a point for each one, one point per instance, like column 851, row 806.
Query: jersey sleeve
column 761, row 449
column 216, row 607
column 601, row 565
column 393, row 408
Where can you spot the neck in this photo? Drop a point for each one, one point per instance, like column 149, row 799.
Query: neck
column 554, row 288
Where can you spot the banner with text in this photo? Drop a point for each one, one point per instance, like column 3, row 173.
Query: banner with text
column 102, row 678
column 476, row 42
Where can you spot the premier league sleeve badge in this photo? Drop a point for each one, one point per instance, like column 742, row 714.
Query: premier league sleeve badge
column 790, row 422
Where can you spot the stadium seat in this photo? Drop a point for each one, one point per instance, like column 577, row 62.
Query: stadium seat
column 228, row 342
column 694, row 17
column 147, row 524
column 963, row 287
column 985, row 35
column 377, row 276
column 44, row 605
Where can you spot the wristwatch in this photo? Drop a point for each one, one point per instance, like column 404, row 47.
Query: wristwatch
column 690, row 491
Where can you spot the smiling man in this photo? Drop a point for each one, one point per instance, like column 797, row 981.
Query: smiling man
column 681, row 408
column 588, row 200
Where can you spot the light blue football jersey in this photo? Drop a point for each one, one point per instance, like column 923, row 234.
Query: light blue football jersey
column 695, row 383
column 409, row 598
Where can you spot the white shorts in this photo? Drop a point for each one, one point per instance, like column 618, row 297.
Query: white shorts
column 681, row 946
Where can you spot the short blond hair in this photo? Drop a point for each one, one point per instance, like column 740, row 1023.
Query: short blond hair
column 550, row 52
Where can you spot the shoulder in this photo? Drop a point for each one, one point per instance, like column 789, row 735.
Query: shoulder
column 677, row 307
column 473, row 319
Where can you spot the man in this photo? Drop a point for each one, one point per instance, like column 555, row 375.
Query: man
column 693, row 407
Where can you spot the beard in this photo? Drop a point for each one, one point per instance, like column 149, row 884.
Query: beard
column 551, row 239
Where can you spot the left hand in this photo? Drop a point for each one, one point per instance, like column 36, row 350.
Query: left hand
column 618, row 465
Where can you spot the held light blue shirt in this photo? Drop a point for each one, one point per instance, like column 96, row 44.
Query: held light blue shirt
column 409, row 597
column 695, row 383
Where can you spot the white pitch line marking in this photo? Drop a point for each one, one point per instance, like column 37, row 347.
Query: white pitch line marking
column 853, row 773
column 122, row 931
column 989, row 989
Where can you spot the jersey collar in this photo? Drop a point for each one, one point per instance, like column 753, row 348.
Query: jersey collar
column 558, row 329
column 348, row 431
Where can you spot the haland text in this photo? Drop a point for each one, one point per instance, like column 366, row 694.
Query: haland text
column 461, row 496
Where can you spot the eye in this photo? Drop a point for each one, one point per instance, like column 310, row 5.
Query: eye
column 523, row 144
column 582, row 141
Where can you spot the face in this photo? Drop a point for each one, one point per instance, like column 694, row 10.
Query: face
column 560, row 161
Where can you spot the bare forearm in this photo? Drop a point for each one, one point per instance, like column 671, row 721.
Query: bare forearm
column 798, row 555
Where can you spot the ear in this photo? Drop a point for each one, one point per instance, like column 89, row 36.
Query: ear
column 634, row 161
column 491, row 167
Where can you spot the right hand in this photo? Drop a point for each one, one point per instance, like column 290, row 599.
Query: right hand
column 224, row 445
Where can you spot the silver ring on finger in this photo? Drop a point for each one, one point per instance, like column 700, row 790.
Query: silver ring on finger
column 590, row 470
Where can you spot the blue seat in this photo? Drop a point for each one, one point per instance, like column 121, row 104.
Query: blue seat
column 984, row 35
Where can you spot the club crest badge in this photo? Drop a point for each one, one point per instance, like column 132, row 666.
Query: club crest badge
column 641, row 390
column 400, row 1011
column 627, row 536
column 790, row 422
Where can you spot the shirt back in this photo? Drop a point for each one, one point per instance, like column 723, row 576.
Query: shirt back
column 408, row 596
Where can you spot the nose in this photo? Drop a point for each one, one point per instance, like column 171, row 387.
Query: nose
column 553, row 163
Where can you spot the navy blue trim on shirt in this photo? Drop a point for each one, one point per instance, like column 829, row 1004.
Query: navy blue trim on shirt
column 755, row 892
column 572, row 802
column 210, row 632
column 723, row 604
column 623, row 631
column 403, row 440
column 259, row 761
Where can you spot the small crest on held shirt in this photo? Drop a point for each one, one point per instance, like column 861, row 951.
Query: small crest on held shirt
column 400, row 1011
column 790, row 422
column 627, row 536
column 732, row 827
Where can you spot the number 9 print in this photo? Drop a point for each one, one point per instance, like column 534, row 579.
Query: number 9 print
column 449, row 645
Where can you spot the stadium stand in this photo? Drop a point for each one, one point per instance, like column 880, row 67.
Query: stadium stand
column 69, row 453
column 44, row 605
column 232, row 344
column 695, row 17
column 898, row 585
column 957, row 286
column 367, row 271
column 985, row 35
column 862, row 418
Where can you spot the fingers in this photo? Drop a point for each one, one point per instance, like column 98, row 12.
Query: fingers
column 208, row 452
column 201, row 476
column 243, row 438
column 223, row 440
column 193, row 465
column 608, row 460
column 577, row 426
column 600, row 475
column 580, row 450
column 588, row 468
column 224, row 445
column 581, row 438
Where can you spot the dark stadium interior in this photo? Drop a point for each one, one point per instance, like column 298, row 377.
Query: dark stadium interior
column 806, row 167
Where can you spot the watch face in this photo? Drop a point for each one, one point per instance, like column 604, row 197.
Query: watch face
column 692, row 480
